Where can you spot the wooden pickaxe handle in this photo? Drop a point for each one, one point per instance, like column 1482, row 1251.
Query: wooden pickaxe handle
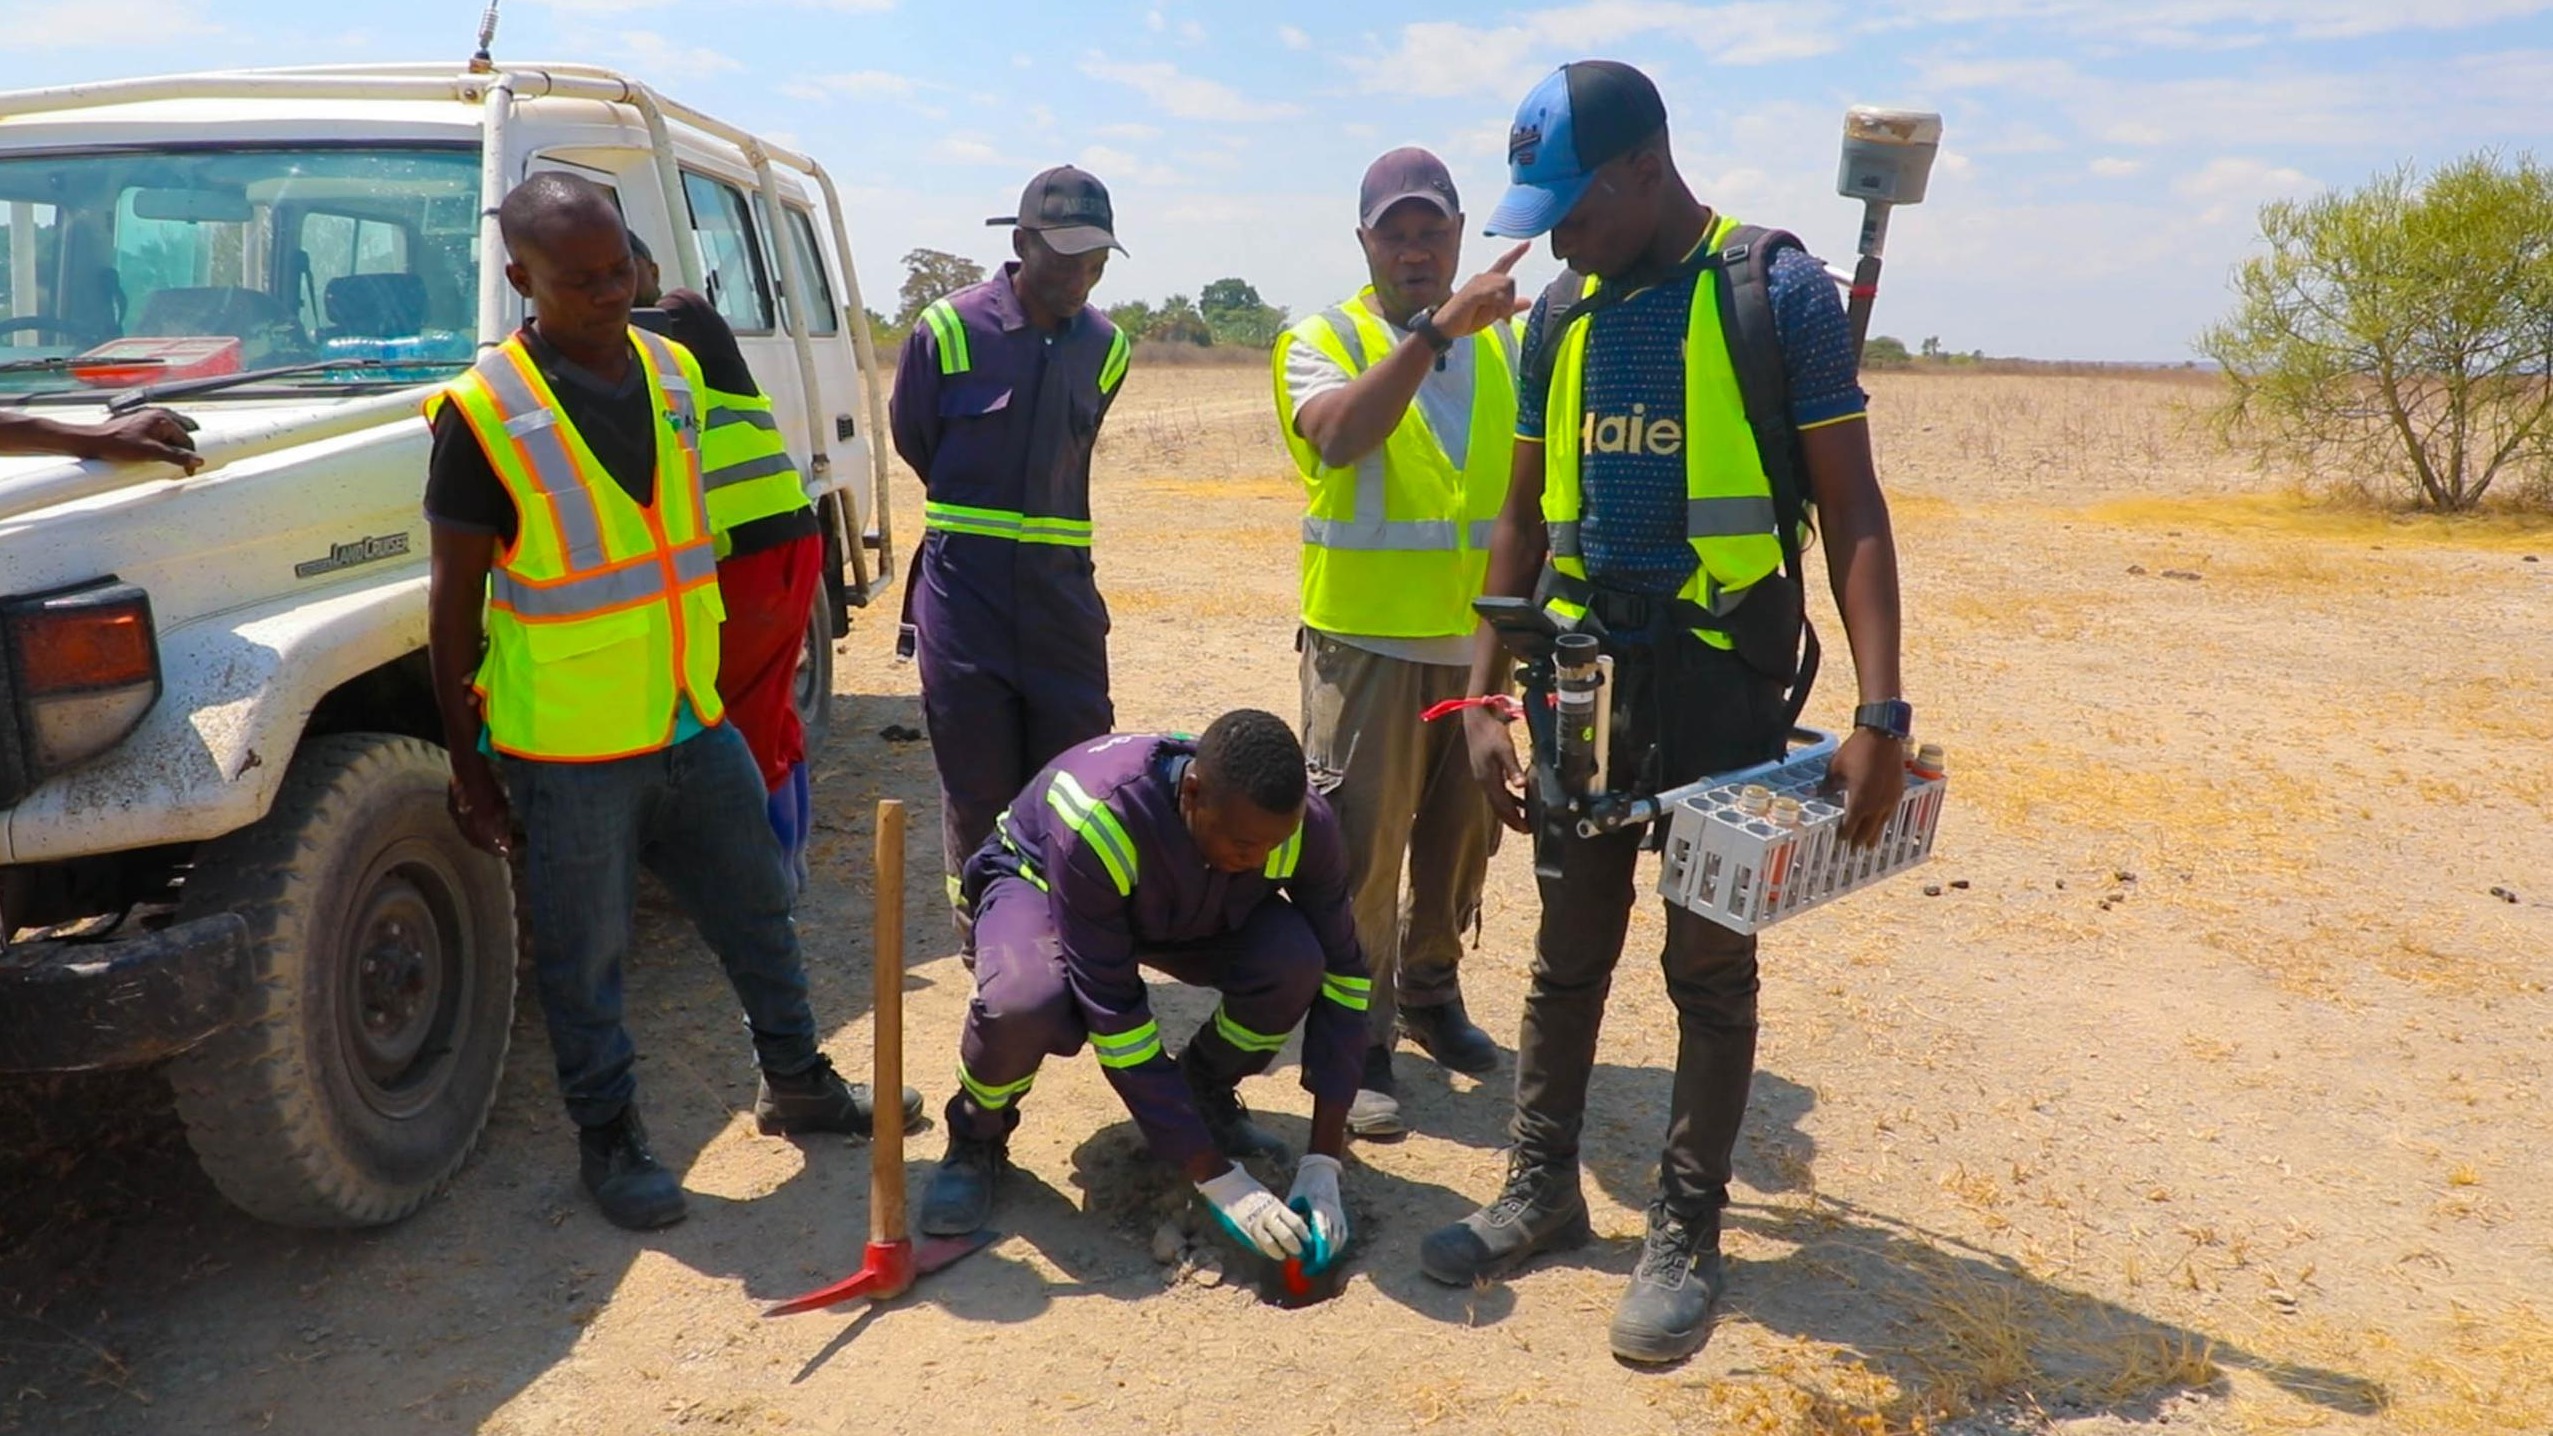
column 886, row 1080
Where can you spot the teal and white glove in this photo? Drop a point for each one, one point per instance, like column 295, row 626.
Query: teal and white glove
column 1253, row 1214
column 1316, row 1185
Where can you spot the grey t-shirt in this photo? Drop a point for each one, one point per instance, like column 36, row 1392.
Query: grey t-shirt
column 1445, row 401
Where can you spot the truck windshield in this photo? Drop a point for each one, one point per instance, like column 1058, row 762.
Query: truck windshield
column 139, row 265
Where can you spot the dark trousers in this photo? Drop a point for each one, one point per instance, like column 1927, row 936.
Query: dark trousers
column 1268, row 970
column 1013, row 673
column 1713, row 714
column 693, row 814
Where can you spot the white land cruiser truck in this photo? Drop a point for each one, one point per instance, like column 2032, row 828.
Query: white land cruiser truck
column 223, row 840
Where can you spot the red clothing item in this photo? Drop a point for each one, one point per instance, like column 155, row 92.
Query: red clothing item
column 768, row 596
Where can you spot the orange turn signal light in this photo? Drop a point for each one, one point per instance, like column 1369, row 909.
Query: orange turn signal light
column 80, row 648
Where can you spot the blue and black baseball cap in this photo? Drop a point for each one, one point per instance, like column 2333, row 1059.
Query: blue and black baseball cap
column 1583, row 115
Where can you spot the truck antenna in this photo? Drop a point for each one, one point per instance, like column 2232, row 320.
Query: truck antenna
column 480, row 63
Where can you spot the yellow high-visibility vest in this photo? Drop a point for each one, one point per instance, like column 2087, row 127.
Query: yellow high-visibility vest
column 602, row 615
column 1396, row 545
column 745, row 468
column 1729, row 513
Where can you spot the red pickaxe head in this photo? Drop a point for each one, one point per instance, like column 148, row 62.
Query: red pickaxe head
column 887, row 1270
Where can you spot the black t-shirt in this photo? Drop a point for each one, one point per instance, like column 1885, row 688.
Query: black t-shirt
column 618, row 424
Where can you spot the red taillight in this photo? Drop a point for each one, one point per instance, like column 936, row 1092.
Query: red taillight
column 80, row 668
column 82, row 649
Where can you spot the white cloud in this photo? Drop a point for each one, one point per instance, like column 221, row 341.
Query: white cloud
column 76, row 24
column 970, row 150
column 1186, row 96
column 1115, row 166
column 2211, row 24
column 1293, row 38
column 853, row 85
column 2113, row 167
column 1156, row 22
column 1192, row 32
column 1128, row 131
column 652, row 55
column 1445, row 57
column 2241, row 176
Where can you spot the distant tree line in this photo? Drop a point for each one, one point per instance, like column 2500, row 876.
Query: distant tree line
column 1228, row 312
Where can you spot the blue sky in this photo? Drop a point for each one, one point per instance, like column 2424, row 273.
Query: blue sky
column 2102, row 163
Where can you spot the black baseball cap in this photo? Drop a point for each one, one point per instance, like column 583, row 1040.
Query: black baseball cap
column 1410, row 173
column 1581, row 116
column 1069, row 209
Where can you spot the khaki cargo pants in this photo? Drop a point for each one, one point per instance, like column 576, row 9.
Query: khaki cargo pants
column 1405, row 798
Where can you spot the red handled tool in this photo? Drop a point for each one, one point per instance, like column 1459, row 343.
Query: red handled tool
column 891, row 1263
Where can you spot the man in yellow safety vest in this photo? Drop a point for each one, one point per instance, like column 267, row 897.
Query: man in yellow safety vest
column 1399, row 407
column 567, row 507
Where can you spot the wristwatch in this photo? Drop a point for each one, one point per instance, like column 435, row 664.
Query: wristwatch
column 1894, row 717
column 1423, row 324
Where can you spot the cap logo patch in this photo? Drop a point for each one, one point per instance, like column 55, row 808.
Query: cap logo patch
column 1524, row 142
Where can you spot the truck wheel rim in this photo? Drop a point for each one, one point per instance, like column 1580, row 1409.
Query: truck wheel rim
column 407, row 959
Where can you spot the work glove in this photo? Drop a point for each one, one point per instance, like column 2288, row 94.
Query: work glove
column 1253, row 1214
column 1316, row 1186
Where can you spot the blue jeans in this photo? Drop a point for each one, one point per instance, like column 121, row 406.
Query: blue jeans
column 693, row 814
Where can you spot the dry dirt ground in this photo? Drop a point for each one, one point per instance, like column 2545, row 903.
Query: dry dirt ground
column 2207, row 1094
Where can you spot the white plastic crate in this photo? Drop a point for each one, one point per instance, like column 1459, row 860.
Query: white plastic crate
column 1748, row 873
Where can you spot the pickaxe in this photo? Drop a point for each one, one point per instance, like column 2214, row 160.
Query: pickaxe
column 892, row 1263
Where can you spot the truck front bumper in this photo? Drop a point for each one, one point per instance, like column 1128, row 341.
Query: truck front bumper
column 69, row 1006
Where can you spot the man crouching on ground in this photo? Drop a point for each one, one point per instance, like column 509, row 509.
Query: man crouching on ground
column 1209, row 860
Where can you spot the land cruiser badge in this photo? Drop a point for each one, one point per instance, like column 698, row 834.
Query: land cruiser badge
column 354, row 555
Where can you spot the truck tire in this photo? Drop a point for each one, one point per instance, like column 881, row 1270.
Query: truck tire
column 813, row 697
column 365, row 1069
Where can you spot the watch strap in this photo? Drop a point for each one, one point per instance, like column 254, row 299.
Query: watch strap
column 1423, row 324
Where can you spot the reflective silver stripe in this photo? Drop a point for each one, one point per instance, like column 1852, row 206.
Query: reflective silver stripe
column 597, row 593
column 720, row 417
column 578, row 597
column 1703, row 518
column 1507, row 342
column 1482, row 530
column 1728, row 517
column 545, row 450
column 755, row 468
column 1350, row 335
column 1403, row 536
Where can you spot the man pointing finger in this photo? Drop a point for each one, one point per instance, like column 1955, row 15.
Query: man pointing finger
column 1399, row 408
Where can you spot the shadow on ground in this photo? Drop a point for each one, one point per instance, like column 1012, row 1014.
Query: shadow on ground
column 1949, row 1323
column 134, row 1299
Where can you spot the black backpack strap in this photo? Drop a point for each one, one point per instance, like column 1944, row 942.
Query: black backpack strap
column 1755, row 351
column 1564, row 302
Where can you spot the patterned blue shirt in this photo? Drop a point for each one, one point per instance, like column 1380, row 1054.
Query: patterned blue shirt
column 1632, row 529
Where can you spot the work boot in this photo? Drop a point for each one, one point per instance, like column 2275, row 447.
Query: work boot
column 1539, row 1210
column 1446, row 1033
column 1227, row 1120
column 625, row 1178
column 818, row 1100
column 959, row 1199
column 1376, row 1112
column 1665, row 1315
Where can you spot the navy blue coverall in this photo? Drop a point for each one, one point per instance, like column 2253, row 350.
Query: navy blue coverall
column 998, row 417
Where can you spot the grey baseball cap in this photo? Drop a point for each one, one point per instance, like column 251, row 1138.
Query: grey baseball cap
column 1410, row 173
column 1069, row 209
